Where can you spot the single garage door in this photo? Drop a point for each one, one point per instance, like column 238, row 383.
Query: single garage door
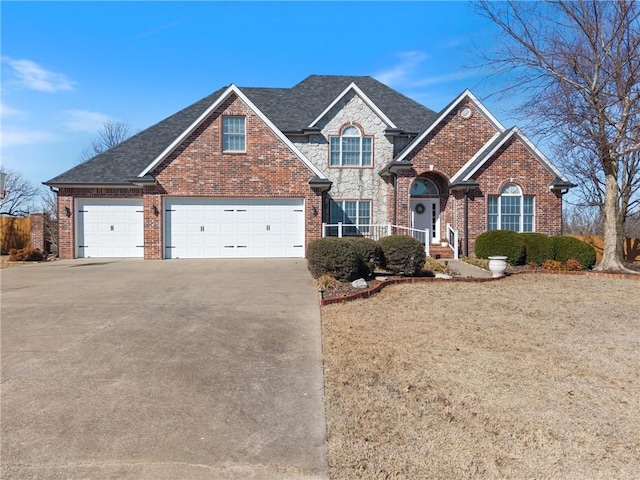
column 109, row 228
column 227, row 228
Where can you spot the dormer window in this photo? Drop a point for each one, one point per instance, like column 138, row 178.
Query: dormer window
column 351, row 148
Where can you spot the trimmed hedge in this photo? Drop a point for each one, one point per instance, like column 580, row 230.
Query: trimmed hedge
column 366, row 249
column 538, row 248
column 335, row 257
column 567, row 248
column 401, row 253
column 501, row 242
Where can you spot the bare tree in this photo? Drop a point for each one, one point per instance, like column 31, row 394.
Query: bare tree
column 578, row 62
column 20, row 196
column 112, row 133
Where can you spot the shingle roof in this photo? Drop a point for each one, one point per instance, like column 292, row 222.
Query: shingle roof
column 300, row 105
column 289, row 109
column 120, row 164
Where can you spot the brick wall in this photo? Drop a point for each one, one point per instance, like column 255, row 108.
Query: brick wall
column 448, row 148
column 439, row 156
column 66, row 198
column 38, row 232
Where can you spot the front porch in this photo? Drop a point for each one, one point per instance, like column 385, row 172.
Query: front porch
column 378, row 231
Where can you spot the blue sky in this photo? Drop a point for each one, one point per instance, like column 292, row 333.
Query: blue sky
column 68, row 67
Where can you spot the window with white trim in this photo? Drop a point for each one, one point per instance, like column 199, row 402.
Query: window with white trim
column 511, row 210
column 350, row 149
column 233, row 134
column 355, row 215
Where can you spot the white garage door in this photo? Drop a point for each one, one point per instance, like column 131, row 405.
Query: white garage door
column 109, row 228
column 226, row 228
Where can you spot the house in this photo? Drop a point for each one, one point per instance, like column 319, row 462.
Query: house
column 255, row 172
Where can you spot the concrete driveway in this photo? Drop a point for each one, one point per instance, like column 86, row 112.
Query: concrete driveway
column 187, row 369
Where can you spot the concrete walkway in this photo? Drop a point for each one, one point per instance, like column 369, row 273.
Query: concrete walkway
column 466, row 270
column 131, row 369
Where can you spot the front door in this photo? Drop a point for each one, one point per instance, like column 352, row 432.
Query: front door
column 425, row 214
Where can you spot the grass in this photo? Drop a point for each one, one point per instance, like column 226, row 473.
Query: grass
column 535, row 376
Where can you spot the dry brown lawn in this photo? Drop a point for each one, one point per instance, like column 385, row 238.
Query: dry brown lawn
column 534, row 376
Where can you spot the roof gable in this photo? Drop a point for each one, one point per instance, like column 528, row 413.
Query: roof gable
column 301, row 106
column 443, row 114
column 118, row 165
column 492, row 146
column 230, row 90
column 353, row 87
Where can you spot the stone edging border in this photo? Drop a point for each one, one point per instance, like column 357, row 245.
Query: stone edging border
column 373, row 290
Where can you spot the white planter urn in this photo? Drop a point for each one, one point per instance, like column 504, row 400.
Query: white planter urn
column 498, row 265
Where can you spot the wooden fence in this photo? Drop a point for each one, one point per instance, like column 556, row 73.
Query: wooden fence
column 14, row 233
column 631, row 246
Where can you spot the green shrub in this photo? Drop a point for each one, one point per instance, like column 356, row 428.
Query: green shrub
column 573, row 248
column 333, row 256
column 366, row 249
column 538, row 247
column 401, row 253
column 501, row 242
column 27, row 254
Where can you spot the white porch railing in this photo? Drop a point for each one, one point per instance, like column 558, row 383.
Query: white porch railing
column 375, row 232
column 452, row 237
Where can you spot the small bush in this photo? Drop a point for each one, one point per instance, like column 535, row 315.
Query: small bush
column 333, row 256
column 326, row 282
column 552, row 265
column 573, row 248
column 573, row 265
column 366, row 249
column 27, row 254
column 538, row 247
column 401, row 253
column 501, row 242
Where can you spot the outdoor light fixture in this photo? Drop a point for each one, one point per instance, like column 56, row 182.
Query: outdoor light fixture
column 154, row 209
column 314, row 211
column 67, row 211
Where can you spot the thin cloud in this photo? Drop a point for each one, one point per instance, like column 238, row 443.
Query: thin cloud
column 401, row 72
column 25, row 137
column 159, row 29
column 449, row 77
column 85, row 120
column 7, row 111
column 33, row 76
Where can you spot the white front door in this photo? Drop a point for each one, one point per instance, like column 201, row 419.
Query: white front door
column 226, row 228
column 425, row 214
column 109, row 228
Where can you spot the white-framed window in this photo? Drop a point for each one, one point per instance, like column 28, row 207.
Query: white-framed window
column 423, row 187
column 233, row 134
column 350, row 149
column 511, row 210
column 355, row 215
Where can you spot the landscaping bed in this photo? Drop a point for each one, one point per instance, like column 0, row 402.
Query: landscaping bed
column 531, row 377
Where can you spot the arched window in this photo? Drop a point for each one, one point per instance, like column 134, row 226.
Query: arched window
column 350, row 149
column 511, row 210
column 424, row 187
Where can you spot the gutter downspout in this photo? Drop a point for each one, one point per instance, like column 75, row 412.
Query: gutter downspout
column 395, row 198
column 466, row 222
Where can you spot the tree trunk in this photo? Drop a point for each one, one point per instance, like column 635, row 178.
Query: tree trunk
column 612, row 252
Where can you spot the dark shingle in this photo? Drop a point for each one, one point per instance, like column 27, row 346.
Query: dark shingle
column 297, row 108
column 289, row 109
column 118, row 165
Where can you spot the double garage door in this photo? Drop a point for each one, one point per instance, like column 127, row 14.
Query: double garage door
column 194, row 228
column 227, row 228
